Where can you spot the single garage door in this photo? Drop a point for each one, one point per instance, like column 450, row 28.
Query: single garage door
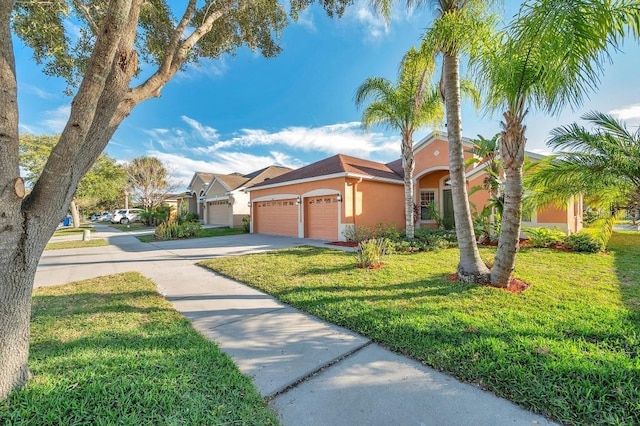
column 276, row 217
column 218, row 213
column 321, row 217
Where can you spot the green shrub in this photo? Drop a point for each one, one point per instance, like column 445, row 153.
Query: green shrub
column 172, row 230
column 544, row 237
column 362, row 233
column 584, row 241
column 592, row 239
column 369, row 253
column 246, row 223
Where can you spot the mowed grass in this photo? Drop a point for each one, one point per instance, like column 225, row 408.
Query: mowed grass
column 568, row 347
column 111, row 351
column 71, row 230
column 203, row 233
column 60, row 245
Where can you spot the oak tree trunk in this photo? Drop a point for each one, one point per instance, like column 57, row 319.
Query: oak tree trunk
column 471, row 267
column 26, row 224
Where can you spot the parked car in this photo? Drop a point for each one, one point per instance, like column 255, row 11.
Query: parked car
column 125, row 216
column 105, row 217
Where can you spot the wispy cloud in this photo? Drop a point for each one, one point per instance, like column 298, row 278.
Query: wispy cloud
column 305, row 19
column 55, row 120
column 38, row 92
column 630, row 113
column 181, row 168
column 205, row 132
column 345, row 138
column 211, row 68
column 364, row 15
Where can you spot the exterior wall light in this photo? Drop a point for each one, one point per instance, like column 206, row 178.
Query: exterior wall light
column 298, row 201
column 339, row 198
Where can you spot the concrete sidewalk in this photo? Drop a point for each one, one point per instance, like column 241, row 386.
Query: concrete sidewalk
column 310, row 371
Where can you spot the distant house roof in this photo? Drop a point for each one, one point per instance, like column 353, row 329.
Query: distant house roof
column 235, row 181
column 337, row 165
column 203, row 176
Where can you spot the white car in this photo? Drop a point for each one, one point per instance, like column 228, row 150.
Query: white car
column 125, row 216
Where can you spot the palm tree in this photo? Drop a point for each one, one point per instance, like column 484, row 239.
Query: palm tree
column 548, row 58
column 603, row 164
column 408, row 105
column 462, row 27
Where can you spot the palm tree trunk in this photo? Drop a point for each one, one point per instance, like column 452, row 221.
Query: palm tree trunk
column 512, row 152
column 408, row 165
column 471, row 267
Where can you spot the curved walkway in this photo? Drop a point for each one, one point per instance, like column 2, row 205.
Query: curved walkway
column 310, row 371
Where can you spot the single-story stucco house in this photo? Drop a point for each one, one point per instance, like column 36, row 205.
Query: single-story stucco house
column 220, row 199
column 322, row 200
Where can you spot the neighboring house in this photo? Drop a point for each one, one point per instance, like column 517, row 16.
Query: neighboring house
column 220, row 199
column 324, row 199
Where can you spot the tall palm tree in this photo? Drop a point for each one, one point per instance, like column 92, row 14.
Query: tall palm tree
column 548, row 58
column 603, row 164
column 408, row 105
column 462, row 27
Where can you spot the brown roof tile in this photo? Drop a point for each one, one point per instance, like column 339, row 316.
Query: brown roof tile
column 334, row 165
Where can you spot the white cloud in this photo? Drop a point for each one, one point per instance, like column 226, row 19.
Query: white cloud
column 305, row 19
column 205, row 132
column 629, row 113
column 363, row 14
column 38, row 92
column 182, row 168
column 211, row 68
column 55, row 120
column 344, row 138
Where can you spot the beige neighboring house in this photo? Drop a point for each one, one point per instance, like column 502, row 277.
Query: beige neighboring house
column 219, row 199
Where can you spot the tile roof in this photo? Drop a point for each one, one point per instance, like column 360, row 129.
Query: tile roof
column 335, row 165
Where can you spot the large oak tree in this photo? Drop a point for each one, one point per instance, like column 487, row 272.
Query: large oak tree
column 116, row 38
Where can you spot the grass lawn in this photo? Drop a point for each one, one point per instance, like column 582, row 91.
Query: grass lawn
column 59, row 245
column 568, row 347
column 133, row 226
column 203, row 233
column 112, row 351
column 70, row 230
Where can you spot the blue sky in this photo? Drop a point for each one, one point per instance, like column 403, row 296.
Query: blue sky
column 244, row 112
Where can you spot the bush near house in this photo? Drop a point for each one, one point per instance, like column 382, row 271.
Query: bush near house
column 592, row 239
column 544, row 237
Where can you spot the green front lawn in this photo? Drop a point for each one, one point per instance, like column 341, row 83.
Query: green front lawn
column 203, row 233
column 568, row 347
column 112, row 351
column 133, row 226
column 60, row 245
column 71, row 230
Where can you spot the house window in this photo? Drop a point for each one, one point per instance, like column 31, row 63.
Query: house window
column 427, row 203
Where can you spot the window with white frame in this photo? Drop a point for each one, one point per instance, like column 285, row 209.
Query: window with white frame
column 427, row 204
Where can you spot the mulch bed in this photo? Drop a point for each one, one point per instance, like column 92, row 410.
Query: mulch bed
column 344, row 243
column 516, row 286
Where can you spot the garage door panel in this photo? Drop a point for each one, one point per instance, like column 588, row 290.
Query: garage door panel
column 276, row 217
column 218, row 213
column 321, row 214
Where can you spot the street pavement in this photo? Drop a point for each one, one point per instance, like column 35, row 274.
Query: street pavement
column 310, row 371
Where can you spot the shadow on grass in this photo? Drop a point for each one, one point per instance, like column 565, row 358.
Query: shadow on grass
column 625, row 247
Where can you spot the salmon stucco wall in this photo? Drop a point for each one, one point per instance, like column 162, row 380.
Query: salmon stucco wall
column 552, row 214
column 379, row 202
column 480, row 198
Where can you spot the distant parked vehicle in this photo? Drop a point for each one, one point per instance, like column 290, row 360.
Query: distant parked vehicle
column 105, row 217
column 125, row 216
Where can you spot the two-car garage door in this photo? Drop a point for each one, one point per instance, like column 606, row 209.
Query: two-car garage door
column 280, row 217
column 276, row 217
